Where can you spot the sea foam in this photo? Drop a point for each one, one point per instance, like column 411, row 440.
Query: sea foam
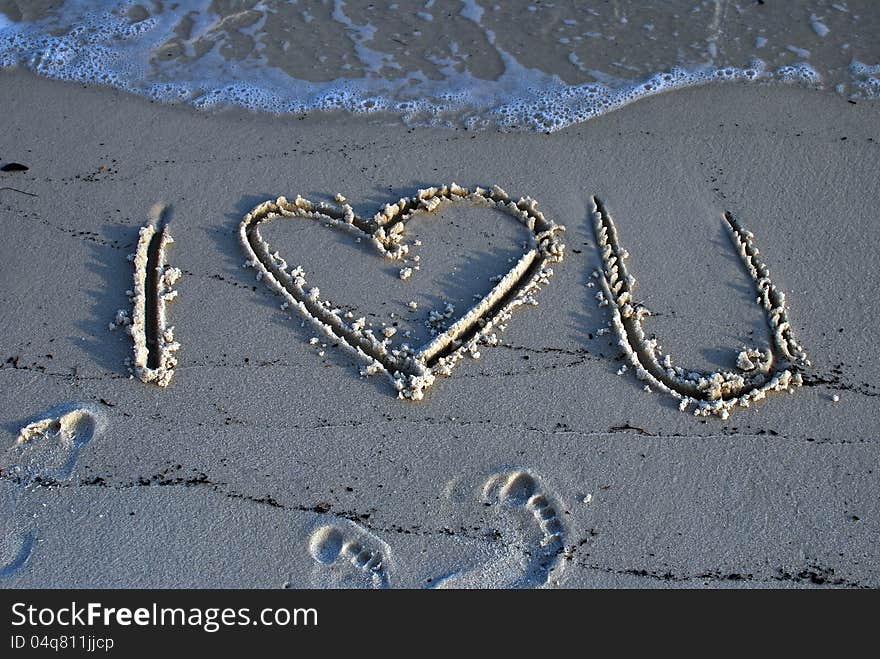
column 457, row 64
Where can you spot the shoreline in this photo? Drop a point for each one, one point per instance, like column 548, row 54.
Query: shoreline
column 517, row 63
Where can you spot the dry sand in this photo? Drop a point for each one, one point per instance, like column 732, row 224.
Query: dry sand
column 269, row 460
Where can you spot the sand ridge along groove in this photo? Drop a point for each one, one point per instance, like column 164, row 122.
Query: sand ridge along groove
column 154, row 345
column 758, row 373
column 411, row 371
column 43, row 455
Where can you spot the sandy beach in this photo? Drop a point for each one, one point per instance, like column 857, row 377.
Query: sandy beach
column 270, row 461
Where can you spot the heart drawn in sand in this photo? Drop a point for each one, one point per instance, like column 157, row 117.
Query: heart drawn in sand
column 411, row 371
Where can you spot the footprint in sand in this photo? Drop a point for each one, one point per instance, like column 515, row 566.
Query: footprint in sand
column 534, row 561
column 43, row 455
column 349, row 556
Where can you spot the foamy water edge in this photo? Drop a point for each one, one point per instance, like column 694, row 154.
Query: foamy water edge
column 105, row 47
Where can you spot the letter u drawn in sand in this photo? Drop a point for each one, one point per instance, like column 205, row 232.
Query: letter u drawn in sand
column 411, row 371
column 758, row 371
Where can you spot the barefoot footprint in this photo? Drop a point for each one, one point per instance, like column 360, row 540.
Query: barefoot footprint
column 534, row 563
column 344, row 544
column 44, row 453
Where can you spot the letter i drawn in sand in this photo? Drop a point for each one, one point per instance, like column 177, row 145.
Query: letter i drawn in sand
column 154, row 345
column 758, row 372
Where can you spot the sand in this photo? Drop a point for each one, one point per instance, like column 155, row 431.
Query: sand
column 270, row 461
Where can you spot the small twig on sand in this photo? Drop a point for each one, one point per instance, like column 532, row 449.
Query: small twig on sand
column 29, row 194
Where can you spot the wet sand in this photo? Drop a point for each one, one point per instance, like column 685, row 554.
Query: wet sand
column 269, row 460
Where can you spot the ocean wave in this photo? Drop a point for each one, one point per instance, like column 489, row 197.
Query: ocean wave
column 463, row 64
